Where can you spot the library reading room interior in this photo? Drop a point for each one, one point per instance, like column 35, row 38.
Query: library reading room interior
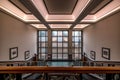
column 60, row 39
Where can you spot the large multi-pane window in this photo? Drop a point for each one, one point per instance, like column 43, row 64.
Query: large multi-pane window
column 42, row 44
column 76, row 44
column 59, row 44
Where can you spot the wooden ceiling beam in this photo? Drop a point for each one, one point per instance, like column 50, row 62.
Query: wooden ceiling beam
column 86, row 11
column 30, row 6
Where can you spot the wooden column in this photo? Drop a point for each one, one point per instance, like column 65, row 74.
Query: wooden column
column 70, row 45
column 49, row 45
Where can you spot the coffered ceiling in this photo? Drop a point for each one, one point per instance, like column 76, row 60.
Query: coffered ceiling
column 67, row 14
column 60, row 7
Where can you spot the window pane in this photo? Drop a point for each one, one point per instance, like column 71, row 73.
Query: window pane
column 54, row 38
column 65, row 44
column 76, row 39
column 59, row 56
column 77, row 45
column 43, row 44
column 76, row 50
column 73, row 38
column 46, row 33
column 43, row 50
column 65, row 38
column 79, row 39
column 79, row 33
column 79, row 50
column 59, row 44
column 54, row 33
column 76, row 33
column 54, row 44
column 39, row 44
column 59, row 33
column 43, row 56
column 42, row 33
column 54, row 50
column 73, row 50
column 59, row 39
column 59, row 50
column 42, row 39
column 65, row 33
column 76, row 56
column 46, row 38
column 65, row 56
column 54, row 56
column 65, row 51
column 73, row 44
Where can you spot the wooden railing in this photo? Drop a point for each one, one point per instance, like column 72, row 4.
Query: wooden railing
column 74, row 69
column 99, row 68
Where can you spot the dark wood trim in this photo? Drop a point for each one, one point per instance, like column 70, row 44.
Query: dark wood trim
column 30, row 6
column 38, row 43
column 19, row 7
column 47, row 69
column 81, row 43
column 60, row 13
column 86, row 11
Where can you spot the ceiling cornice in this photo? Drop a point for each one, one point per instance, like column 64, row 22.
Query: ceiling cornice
column 60, row 23
column 86, row 11
column 29, row 5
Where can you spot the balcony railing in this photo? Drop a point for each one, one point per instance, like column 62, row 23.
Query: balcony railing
column 101, row 69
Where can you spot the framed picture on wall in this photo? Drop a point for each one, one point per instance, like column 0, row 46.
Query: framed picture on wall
column 13, row 53
column 106, row 53
column 27, row 55
column 92, row 55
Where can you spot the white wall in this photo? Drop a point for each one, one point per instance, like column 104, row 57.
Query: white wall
column 105, row 33
column 14, row 33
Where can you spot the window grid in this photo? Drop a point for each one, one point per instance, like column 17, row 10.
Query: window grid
column 76, row 44
column 59, row 44
column 42, row 44
column 59, row 41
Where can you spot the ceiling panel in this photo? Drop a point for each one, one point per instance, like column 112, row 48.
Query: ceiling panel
column 20, row 6
column 100, row 6
column 60, row 6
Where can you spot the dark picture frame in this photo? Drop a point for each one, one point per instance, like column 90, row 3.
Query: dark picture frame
column 27, row 55
column 106, row 53
column 93, row 55
column 13, row 53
